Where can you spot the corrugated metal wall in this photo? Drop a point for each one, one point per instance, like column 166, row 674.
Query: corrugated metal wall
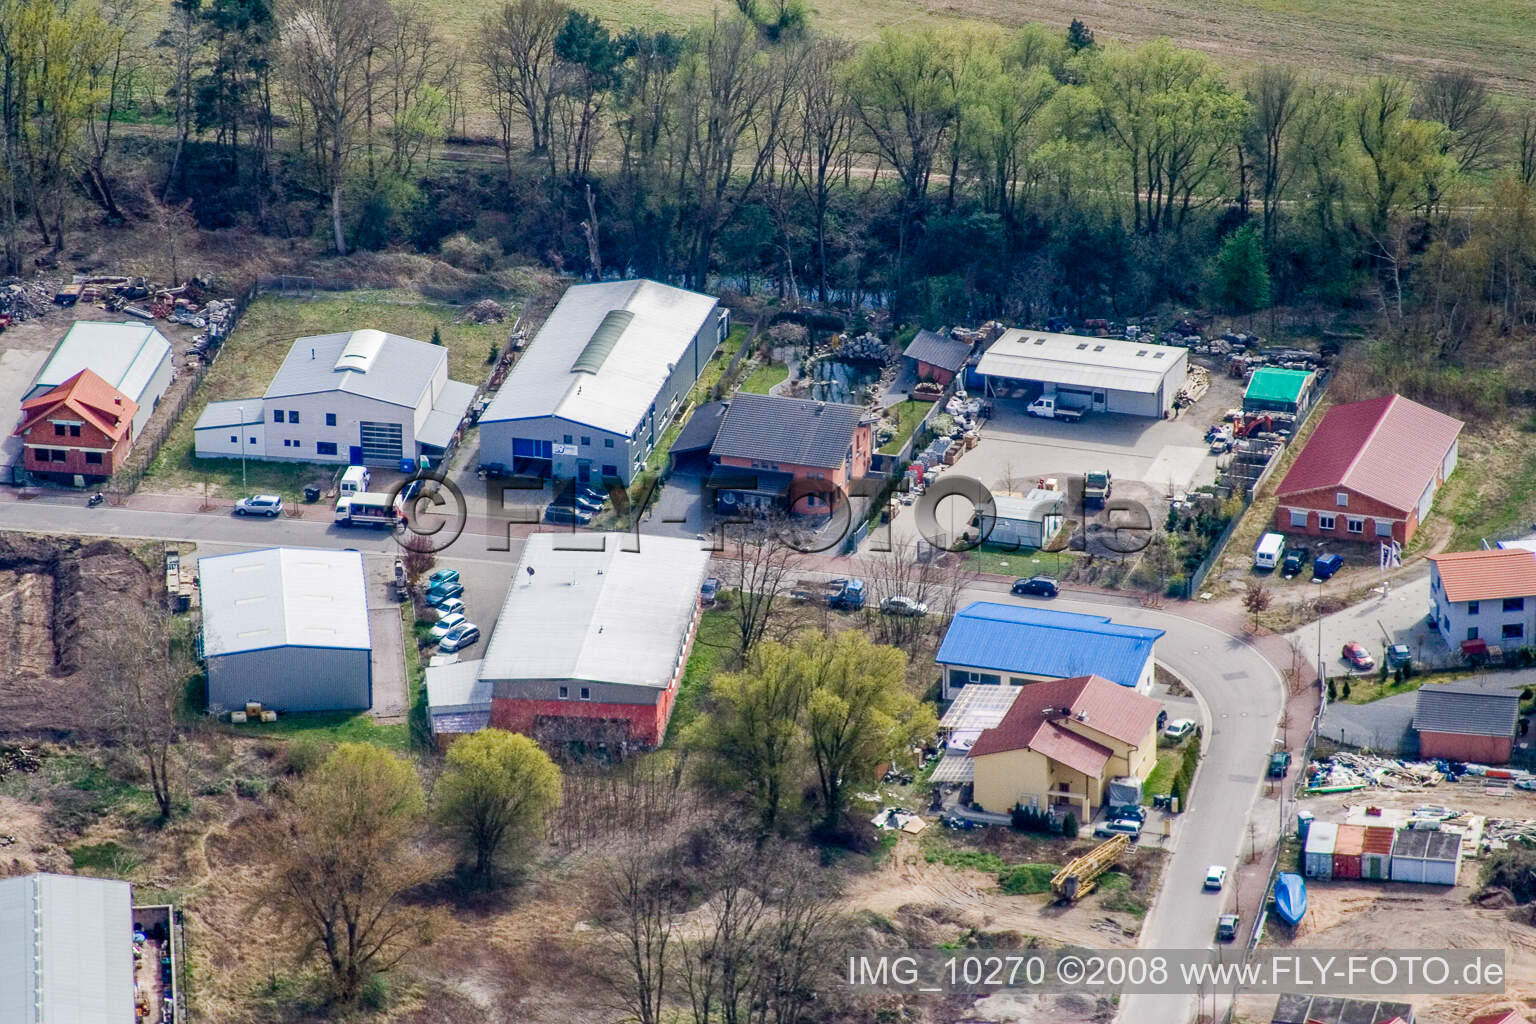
column 292, row 679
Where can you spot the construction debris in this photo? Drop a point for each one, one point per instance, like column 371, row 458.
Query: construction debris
column 1345, row 771
column 19, row 759
column 23, row 301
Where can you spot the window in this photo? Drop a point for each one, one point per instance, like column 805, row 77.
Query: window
column 1514, row 604
column 330, row 419
column 74, row 430
column 1324, row 522
column 325, row 447
column 586, row 441
column 293, row 415
column 1383, row 527
column 1472, row 607
column 1355, row 524
column 277, row 415
column 565, row 693
column 58, row 455
column 985, row 678
column 1514, row 630
column 234, row 438
column 586, row 694
column 93, row 458
column 253, row 440
column 567, row 439
column 1471, row 632
column 607, row 442
column 58, row 430
column 1299, row 517
column 1341, row 499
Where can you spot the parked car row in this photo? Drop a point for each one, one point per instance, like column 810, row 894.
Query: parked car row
column 577, row 505
column 1272, row 552
column 452, row 632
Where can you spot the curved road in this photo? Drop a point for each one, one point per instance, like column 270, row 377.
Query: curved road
column 1240, row 691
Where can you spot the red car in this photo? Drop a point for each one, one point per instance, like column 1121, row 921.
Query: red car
column 1358, row 657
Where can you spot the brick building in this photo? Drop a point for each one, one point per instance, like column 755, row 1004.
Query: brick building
column 1369, row 472
column 591, row 643
column 1466, row 722
column 81, row 428
column 788, row 454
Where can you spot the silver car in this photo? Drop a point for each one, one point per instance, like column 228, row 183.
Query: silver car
column 269, row 505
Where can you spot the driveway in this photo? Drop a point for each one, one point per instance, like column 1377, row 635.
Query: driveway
column 1385, row 725
column 1401, row 614
column 18, row 366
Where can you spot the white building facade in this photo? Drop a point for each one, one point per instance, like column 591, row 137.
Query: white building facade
column 365, row 399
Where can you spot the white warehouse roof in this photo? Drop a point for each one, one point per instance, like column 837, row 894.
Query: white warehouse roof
column 124, row 355
column 66, row 950
column 609, row 615
column 603, row 355
column 283, row 597
column 386, row 367
column 1083, row 362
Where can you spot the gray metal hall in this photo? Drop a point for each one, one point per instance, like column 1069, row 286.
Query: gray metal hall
column 287, row 627
column 1093, row 374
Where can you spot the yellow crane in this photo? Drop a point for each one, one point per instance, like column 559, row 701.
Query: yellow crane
column 1078, row 878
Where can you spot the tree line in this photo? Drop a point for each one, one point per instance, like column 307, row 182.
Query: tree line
column 952, row 172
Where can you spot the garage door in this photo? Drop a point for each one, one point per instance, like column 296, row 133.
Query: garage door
column 381, row 441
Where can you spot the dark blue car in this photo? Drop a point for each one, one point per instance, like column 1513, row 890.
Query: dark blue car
column 1324, row 566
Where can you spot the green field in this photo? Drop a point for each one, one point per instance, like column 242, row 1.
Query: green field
column 1349, row 38
column 763, row 378
column 257, row 348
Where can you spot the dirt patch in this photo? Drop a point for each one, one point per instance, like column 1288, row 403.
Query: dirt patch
column 54, row 594
column 973, row 900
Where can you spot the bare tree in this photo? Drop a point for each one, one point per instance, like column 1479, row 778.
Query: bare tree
column 760, row 559
column 1275, row 95
column 1525, row 144
column 936, row 582
column 1255, row 600
column 516, row 56
column 825, row 137
column 328, row 46
column 639, row 898
column 143, row 669
column 1461, row 101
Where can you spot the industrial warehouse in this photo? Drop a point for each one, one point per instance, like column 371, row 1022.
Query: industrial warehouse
column 1089, row 374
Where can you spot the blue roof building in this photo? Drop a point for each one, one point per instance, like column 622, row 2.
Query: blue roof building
column 990, row 644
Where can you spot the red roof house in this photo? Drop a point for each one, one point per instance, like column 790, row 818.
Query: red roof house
column 1509, row 1016
column 82, row 427
column 1369, row 472
column 1061, row 741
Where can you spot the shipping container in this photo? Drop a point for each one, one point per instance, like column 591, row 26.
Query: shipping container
column 1376, row 856
column 1347, row 849
column 1317, row 860
column 1419, row 855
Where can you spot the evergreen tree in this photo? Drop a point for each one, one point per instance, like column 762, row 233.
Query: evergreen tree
column 1242, row 271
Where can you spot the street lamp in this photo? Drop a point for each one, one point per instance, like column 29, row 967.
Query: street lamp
column 1321, row 682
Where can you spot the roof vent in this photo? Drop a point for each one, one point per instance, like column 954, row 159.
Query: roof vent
column 361, row 350
column 603, row 341
column 1082, row 716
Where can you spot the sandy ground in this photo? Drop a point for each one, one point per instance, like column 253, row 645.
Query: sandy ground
column 973, row 897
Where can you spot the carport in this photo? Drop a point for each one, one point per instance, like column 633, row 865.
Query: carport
column 690, row 450
column 1093, row 374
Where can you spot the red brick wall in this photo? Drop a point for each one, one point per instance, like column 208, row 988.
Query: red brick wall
column 75, row 463
column 1456, row 747
column 1323, row 502
column 517, row 715
column 927, row 371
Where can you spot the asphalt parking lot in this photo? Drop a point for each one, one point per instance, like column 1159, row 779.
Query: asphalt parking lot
column 1149, row 460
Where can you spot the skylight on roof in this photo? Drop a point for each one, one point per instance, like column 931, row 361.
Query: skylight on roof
column 1141, row 352
column 1158, row 355
column 1082, row 346
column 1098, row 348
column 1039, row 341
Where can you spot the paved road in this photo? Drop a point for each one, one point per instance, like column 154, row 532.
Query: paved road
column 1239, row 690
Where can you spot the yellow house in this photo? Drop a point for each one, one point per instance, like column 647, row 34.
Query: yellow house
column 1061, row 741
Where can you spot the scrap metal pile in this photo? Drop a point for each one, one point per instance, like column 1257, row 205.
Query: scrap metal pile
column 22, row 301
column 18, row 759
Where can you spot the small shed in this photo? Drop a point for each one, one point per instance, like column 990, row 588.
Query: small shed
column 1347, row 851
column 1466, row 722
column 934, row 357
column 1317, row 860
column 1027, row 522
column 1273, row 389
column 1422, row 855
column 1376, row 853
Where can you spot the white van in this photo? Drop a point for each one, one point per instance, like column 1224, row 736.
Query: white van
column 1270, row 552
column 355, row 480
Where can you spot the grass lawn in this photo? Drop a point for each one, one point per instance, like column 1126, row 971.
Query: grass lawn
column 257, row 348
column 1002, row 561
column 1493, row 491
column 1364, row 689
column 332, row 726
column 712, row 649
column 762, row 378
column 908, row 415
column 1160, row 780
